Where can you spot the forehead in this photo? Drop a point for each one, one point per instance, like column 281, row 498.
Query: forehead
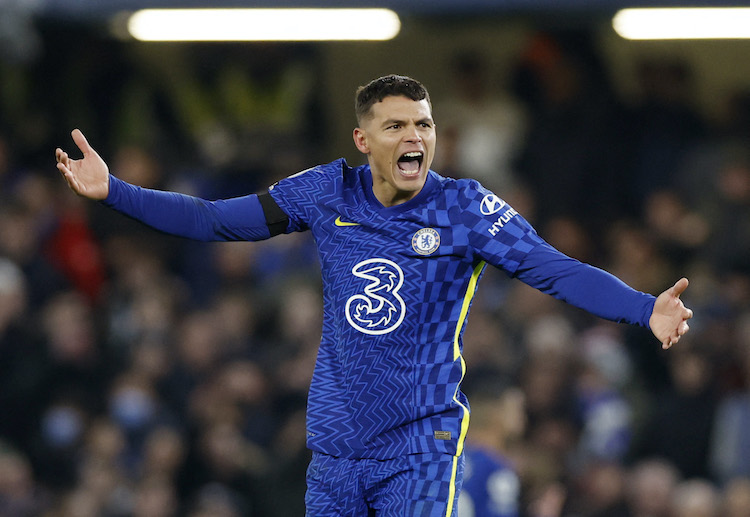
column 399, row 108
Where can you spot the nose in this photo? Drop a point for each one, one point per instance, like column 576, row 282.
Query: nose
column 412, row 134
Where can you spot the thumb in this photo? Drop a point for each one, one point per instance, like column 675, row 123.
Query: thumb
column 81, row 142
column 679, row 287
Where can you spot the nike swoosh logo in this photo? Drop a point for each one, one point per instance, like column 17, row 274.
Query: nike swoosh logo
column 339, row 222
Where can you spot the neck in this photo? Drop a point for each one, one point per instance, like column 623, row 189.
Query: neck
column 389, row 199
column 390, row 196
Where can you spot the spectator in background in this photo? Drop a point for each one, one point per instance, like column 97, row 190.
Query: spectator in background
column 650, row 488
column 679, row 230
column 695, row 498
column 155, row 497
column 22, row 236
column 20, row 352
column 727, row 208
column 75, row 363
column 605, row 414
column 601, row 490
column 74, row 251
column 225, row 461
column 19, row 495
column 736, row 498
column 682, row 415
column 101, row 484
column 492, row 487
column 482, row 126
column 574, row 153
column 730, row 444
column 664, row 128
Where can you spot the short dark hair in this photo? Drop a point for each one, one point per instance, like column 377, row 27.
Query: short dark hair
column 387, row 86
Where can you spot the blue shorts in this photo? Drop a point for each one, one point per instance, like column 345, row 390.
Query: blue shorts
column 417, row 485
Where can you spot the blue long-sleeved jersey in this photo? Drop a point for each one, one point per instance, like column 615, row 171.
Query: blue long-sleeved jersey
column 397, row 284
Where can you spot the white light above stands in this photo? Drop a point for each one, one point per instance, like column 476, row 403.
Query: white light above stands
column 683, row 23
column 264, row 24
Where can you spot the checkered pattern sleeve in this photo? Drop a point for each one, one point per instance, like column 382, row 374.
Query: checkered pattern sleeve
column 497, row 233
column 502, row 237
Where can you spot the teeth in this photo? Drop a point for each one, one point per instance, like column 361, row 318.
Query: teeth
column 413, row 155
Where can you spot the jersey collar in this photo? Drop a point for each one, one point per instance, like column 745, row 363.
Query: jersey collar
column 430, row 185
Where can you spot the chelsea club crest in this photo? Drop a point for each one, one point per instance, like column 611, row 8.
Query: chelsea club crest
column 426, row 241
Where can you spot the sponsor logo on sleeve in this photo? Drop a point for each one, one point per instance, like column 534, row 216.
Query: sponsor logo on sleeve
column 506, row 216
column 491, row 204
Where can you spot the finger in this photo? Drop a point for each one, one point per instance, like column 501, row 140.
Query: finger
column 63, row 168
column 81, row 142
column 679, row 287
column 73, row 183
column 688, row 314
column 66, row 173
column 670, row 341
column 62, row 157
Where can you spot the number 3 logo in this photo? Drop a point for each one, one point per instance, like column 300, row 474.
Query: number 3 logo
column 380, row 309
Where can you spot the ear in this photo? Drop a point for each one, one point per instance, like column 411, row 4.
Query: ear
column 360, row 140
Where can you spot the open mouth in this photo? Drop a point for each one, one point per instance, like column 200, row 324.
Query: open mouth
column 410, row 163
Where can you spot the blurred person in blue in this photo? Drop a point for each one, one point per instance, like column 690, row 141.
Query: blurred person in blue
column 605, row 413
column 401, row 251
column 491, row 486
column 729, row 449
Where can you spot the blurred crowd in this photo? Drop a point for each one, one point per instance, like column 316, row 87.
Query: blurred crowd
column 143, row 375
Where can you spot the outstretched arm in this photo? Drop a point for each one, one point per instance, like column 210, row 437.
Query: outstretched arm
column 252, row 217
column 89, row 176
column 604, row 295
column 669, row 318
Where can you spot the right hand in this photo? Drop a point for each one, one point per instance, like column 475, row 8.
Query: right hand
column 87, row 177
column 668, row 320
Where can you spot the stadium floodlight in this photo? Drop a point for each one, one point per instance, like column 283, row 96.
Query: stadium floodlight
column 284, row 24
column 683, row 23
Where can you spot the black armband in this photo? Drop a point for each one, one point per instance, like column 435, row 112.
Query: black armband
column 276, row 220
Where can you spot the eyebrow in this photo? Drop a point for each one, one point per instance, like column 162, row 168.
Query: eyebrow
column 401, row 122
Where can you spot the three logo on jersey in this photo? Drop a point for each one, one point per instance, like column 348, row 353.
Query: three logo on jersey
column 379, row 309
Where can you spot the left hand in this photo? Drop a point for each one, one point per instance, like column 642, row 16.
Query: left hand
column 668, row 320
